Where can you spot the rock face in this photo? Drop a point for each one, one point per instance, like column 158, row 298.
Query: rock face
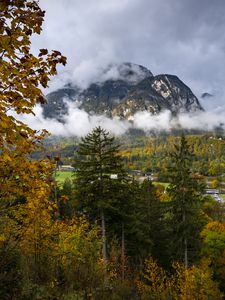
column 178, row 95
column 124, row 90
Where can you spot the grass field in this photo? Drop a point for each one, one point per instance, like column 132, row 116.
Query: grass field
column 62, row 175
column 222, row 196
column 165, row 184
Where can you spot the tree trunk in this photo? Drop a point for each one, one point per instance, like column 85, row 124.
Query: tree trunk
column 103, row 236
column 123, row 253
column 185, row 246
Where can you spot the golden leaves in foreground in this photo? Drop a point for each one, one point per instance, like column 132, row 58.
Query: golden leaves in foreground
column 181, row 284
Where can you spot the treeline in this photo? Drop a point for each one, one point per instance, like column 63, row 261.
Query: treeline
column 151, row 155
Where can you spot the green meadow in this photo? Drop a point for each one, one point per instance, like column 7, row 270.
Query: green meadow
column 60, row 176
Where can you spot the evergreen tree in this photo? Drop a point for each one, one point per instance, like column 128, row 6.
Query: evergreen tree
column 146, row 229
column 185, row 205
column 65, row 202
column 100, row 179
column 153, row 223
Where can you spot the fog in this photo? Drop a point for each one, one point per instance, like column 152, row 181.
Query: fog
column 79, row 123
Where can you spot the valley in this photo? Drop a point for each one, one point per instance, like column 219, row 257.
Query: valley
column 149, row 157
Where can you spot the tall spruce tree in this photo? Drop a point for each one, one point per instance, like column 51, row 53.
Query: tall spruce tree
column 185, row 207
column 100, row 178
column 153, row 222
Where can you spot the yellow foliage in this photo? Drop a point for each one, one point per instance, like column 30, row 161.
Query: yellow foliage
column 214, row 247
column 155, row 284
column 214, row 226
column 193, row 283
column 2, row 238
column 196, row 283
column 21, row 75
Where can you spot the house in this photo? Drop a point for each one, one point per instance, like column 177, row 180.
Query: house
column 66, row 168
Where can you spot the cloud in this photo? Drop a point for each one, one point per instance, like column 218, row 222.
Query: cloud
column 185, row 38
column 203, row 120
column 148, row 122
column 79, row 123
column 76, row 123
column 206, row 121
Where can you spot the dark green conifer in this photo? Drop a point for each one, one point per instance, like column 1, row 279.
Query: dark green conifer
column 100, row 178
column 186, row 216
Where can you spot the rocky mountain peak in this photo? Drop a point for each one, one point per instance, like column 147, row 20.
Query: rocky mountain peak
column 128, row 72
column 178, row 95
column 122, row 90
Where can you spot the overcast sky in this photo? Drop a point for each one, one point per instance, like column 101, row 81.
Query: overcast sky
column 181, row 37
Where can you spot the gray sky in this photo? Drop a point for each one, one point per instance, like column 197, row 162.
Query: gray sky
column 181, row 37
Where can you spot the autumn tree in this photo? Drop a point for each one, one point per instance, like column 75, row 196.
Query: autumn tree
column 213, row 248
column 24, row 182
column 196, row 282
column 21, row 76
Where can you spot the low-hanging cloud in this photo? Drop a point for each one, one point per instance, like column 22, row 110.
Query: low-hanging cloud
column 148, row 122
column 76, row 123
column 79, row 123
column 206, row 121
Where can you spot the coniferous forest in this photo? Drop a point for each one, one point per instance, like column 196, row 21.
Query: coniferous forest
column 102, row 234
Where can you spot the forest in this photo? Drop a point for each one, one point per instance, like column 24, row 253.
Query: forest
column 101, row 234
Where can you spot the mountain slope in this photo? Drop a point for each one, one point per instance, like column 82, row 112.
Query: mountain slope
column 124, row 90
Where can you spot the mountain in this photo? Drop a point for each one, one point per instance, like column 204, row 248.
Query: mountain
column 122, row 91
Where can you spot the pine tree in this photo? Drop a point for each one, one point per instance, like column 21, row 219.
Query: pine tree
column 185, row 206
column 66, row 203
column 153, row 222
column 100, row 179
